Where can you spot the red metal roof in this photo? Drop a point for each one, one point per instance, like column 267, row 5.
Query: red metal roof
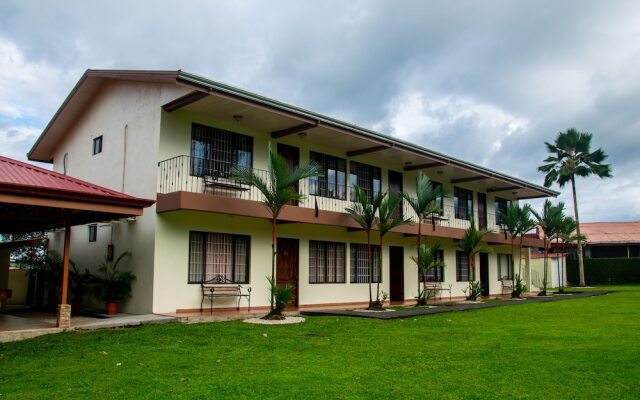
column 20, row 178
column 611, row 232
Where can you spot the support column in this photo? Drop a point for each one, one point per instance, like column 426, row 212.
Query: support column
column 64, row 309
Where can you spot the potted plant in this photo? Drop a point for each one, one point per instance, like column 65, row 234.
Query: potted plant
column 112, row 285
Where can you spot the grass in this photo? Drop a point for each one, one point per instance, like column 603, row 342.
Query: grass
column 578, row 349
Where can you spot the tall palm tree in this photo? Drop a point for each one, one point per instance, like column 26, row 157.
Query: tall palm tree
column 278, row 189
column 566, row 227
column 425, row 203
column 571, row 156
column 388, row 218
column 426, row 260
column 472, row 244
column 364, row 213
column 549, row 221
column 526, row 223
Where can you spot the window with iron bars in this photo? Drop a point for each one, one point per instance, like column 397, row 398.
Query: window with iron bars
column 326, row 262
column 215, row 151
column 218, row 255
column 462, row 267
column 360, row 263
column 435, row 274
column 504, row 267
column 365, row 176
column 333, row 182
column 501, row 207
column 463, row 203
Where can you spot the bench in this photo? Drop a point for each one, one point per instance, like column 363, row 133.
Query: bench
column 220, row 286
column 437, row 289
column 216, row 180
column 507, row 284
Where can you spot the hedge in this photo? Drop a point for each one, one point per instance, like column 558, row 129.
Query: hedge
column 605, row 271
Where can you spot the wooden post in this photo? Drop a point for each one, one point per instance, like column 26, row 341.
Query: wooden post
column 65, row 264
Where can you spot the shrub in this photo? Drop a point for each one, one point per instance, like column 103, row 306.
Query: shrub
column 605, row 271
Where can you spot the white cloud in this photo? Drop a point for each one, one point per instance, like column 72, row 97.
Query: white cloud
column 16, row 140
column 482, row 127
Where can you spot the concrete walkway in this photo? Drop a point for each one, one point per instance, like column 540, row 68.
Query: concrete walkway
column 414, row 311
column 123, row 320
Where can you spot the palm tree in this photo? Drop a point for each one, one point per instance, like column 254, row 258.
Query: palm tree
column 472, row 244
column 427, row 258
column 517, row 221
column 549, row 221
column 425, row 203
column 571, row 156
column 388, row 219
column 364, row 213
column 566, row 233
column 278, row 189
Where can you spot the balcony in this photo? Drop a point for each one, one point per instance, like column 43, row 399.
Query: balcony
column 205, row 178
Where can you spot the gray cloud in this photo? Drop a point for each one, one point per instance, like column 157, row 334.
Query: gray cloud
column 485, row 81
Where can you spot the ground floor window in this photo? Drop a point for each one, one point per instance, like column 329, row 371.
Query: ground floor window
column 435, row 274
column 504, row 267
column 218, row 255
column 462, row 267
column 326, row 262
column 360, row 263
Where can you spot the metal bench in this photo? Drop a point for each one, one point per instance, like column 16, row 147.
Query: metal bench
column 220, row 286
column 507, row 284
column 218, row 180
column 437, row 288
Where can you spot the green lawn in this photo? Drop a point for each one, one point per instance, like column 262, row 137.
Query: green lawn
column 575, row 349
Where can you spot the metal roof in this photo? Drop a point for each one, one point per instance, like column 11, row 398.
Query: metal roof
column 81, row 94
column 611, row 232
column 17, row 177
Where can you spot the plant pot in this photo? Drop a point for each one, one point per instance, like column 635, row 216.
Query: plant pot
column 112, row 308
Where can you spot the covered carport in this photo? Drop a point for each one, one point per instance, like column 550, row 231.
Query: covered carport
column 36, row 199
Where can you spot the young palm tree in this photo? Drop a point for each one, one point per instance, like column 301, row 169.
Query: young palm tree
column 472, row 244
column 526, row 223
column 278, row 189
column 426, row 260
column 388, row 219
column 571, row 156
column 549, row 221
column 364, row 213
column 425, row 203
column 565, row 233
column 517, row 221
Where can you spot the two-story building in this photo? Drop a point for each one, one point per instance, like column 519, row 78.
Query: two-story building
column 174, row 137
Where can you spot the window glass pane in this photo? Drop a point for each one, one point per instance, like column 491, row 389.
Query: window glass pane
column 215, row 151
column 463, row 203
column 326, row 262
column 360, row 264
column 462, row 267
column 218, row 256
column 332, row 184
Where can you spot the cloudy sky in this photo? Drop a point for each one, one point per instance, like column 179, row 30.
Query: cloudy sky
column 486, row 81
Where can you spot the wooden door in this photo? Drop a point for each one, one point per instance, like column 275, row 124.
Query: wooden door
column 287, row 264
column 292, row 157
column 396, row 273
column 395, row 187
column 484, row 273
column 482, row 211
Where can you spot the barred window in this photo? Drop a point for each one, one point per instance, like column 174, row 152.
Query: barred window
column 326, row 262
column 333, row 183
column 463, row 203
column 462, row 267
column 435, row 274
column 360, row 264
column 439, row 199
column 214, row 151
column 501, row 206
column 218, row 255
column 504, row 267
column 365, row 176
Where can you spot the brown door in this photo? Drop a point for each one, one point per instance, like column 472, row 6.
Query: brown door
column 287, row 264
column 482, row 211
column 484, row 273
column 396, row 273
column 395, row 187
column 292, row 157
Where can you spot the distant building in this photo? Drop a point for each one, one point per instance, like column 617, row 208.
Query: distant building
column 610, row 239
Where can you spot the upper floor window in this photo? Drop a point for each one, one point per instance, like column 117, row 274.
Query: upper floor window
column 365, row 176
column 463, row 203
column 501, row 207
column 214, row 151
column 439, row 199
column 97, row 145
column 333, row 184
column 326, row 262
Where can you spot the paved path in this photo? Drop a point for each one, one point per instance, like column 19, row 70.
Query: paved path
column 124, row 320
column 414, row 311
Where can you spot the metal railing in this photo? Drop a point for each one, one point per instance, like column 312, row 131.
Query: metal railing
column 197, row 175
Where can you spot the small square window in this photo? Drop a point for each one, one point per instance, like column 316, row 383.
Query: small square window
column 97, row 145
column 93, row 233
